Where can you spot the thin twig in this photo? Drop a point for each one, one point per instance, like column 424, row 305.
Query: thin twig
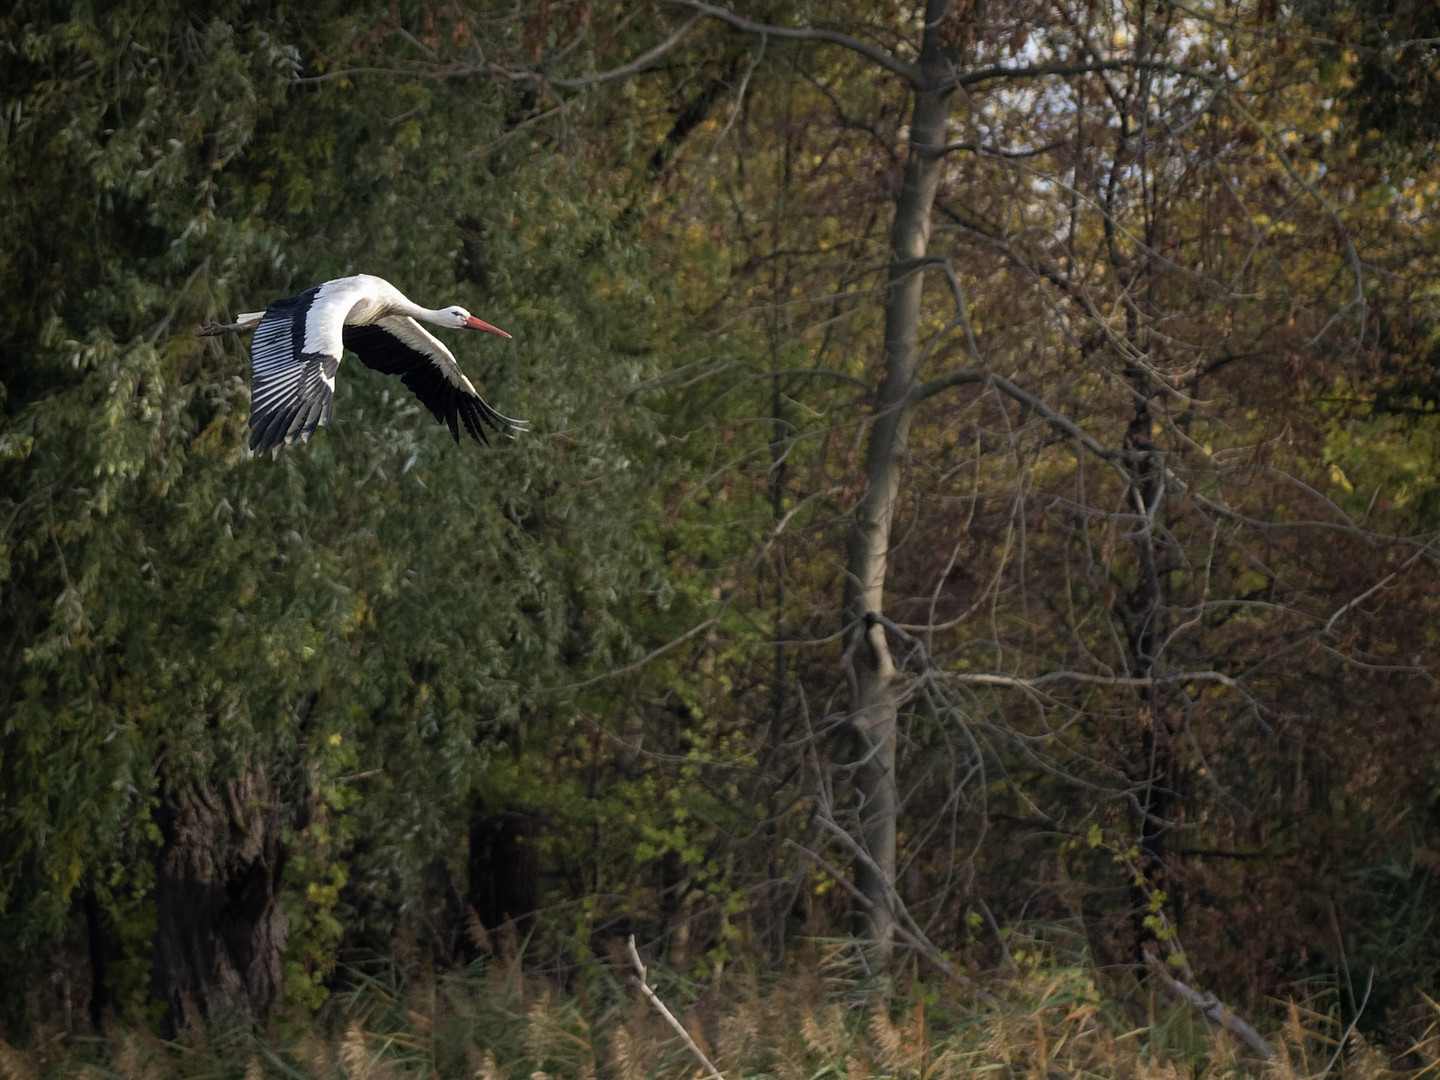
column 698, row 628
column 634, row 67
column 921, row 944
column 1359, row 1012
column 889, row 61
column 667, row 1014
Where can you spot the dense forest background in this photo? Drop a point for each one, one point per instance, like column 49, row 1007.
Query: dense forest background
column 976, row 544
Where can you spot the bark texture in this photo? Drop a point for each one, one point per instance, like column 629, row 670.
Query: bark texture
column 220, row 928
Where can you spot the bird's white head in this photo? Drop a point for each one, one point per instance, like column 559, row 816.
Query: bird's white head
column 463, row 318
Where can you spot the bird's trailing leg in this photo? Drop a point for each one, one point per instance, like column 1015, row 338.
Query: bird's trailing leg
column 243, row 325
column 215, row 329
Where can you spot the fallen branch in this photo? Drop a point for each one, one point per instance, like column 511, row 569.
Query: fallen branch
column 1214, row 1009
column 667, row 1014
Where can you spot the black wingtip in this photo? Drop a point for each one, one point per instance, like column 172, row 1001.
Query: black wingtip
column 502, row 425
column 471, row 415
column 263, row 433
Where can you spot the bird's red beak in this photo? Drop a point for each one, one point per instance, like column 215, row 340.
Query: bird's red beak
column 480, row 324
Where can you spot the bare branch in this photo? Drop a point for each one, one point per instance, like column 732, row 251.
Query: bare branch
column 1030, row 71
column 920, row 944
column 1358, row 301
column 1020, row 682
column 1346, row 608
column 667, row 1014
column 943, row 383
column 1064, row 423
column 653, row 654
column 634, row 67
column 997, row 152
column 888, row 61
column 1213, row 1009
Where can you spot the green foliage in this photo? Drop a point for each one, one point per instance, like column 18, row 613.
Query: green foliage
column 621, row 632
column 372, row 619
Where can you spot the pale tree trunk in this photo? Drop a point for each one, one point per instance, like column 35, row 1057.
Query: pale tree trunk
column 874, row 706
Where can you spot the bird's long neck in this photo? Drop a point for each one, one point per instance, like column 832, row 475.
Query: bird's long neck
column 434, row 316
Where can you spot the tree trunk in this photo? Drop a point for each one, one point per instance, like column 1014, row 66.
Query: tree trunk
column 1141, row 612
column 220, row 929
column 874, row 705
column 504, row 873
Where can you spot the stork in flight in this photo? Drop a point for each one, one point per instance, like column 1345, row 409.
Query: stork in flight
column 296, row 352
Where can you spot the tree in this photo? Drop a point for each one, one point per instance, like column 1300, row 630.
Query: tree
column 980, row 476
column 236, row 688
column 1091, row 189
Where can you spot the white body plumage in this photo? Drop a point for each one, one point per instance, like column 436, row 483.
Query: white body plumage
column 297, row 348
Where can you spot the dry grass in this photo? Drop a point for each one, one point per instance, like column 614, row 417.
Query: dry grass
column 494, row 1021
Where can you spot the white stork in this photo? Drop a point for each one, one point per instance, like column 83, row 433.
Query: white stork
column 297, row 346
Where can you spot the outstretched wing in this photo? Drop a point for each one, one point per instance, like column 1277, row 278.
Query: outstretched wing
column 398, row 345
column 294, row 356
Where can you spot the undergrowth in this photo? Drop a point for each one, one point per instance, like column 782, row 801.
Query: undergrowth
column 497, row 1020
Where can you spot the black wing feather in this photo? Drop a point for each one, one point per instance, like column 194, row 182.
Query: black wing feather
column 450, row 404
column 290, row 389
